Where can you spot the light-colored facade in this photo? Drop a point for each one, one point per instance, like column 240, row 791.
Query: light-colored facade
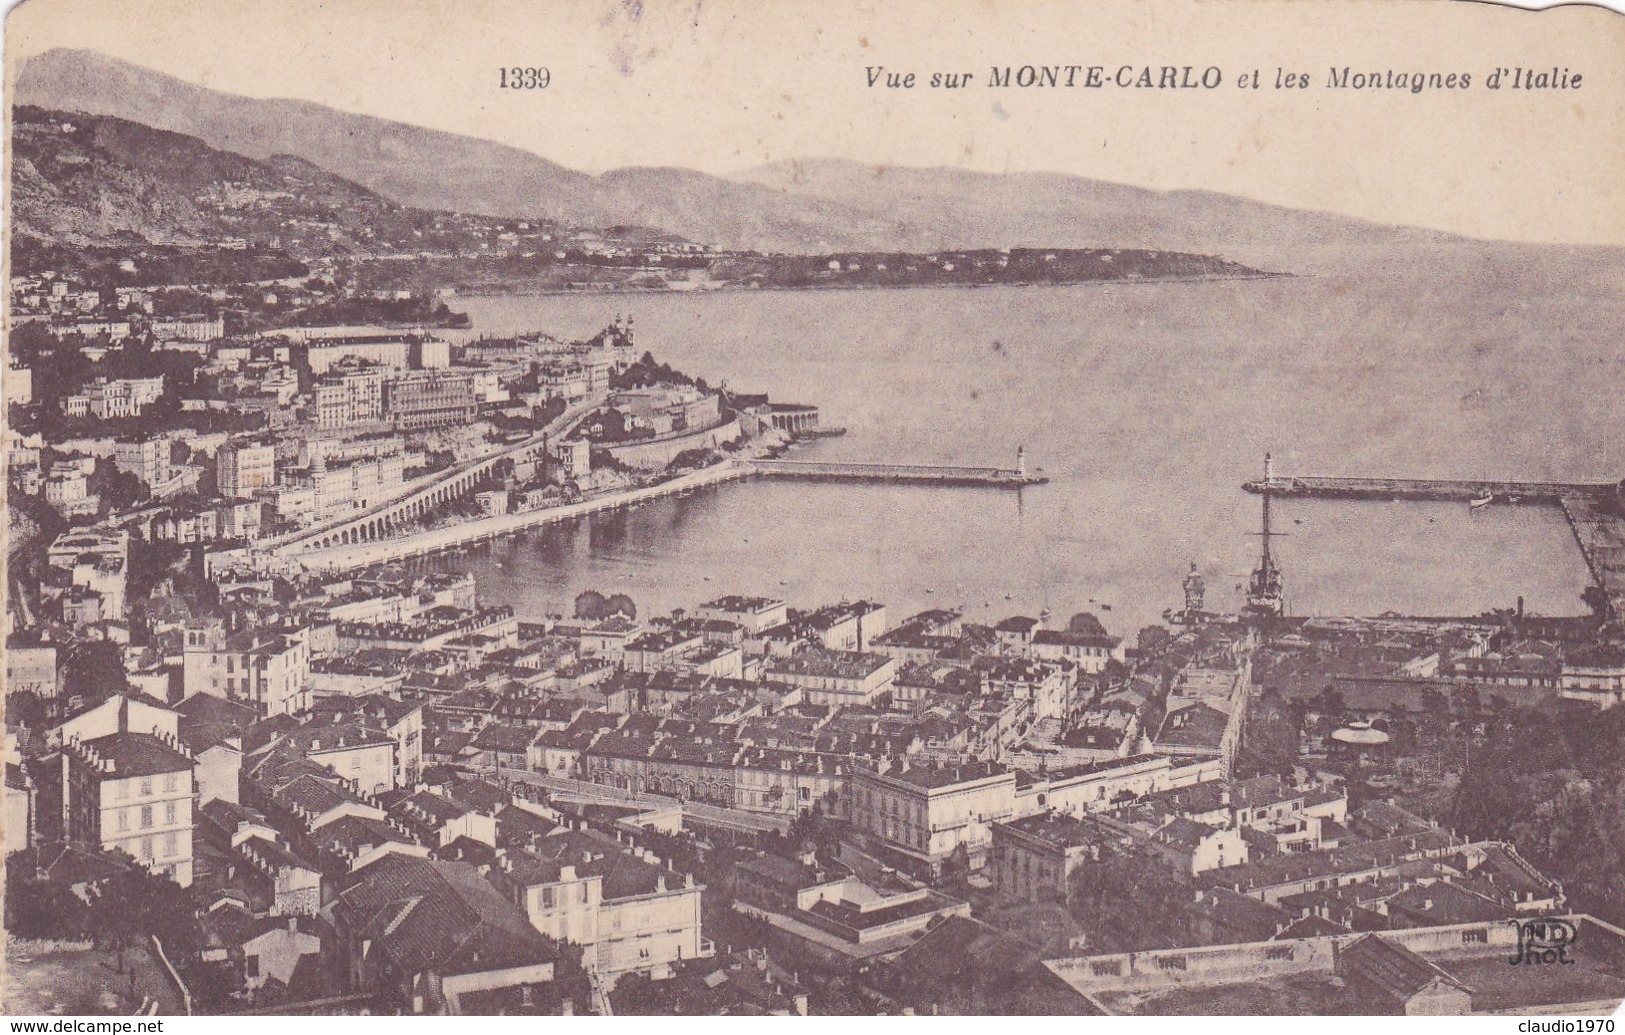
column 347, row 396
column 245, row 470
column 31, row 668
column 270, row 671
column 355, row 486
column 146, row 458
column 109, row 400
column 132, row 792
column 99, row 563
column 430, row 399
column 835, row 677
column 931, row 812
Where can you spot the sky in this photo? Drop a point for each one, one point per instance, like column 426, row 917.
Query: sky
column 724, row 85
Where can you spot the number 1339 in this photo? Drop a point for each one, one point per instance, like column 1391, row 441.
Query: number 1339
column 534, row 78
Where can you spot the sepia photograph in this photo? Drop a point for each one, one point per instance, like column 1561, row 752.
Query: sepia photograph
column 651, row 508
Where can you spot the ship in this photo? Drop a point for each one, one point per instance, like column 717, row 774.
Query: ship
column 1265, row 596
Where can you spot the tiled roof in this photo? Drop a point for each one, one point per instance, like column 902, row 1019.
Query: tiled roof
column 139, row 754
column 1394, row 969
column 429, row 915
column 356, row 834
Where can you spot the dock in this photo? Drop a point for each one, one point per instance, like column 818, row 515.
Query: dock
column 1424, row 489
column 1595, row 511
column 917, row 474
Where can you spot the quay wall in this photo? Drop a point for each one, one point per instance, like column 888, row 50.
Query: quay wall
column 359, row 555
column 926, row 474
column 1422, row 489
column 656, row 453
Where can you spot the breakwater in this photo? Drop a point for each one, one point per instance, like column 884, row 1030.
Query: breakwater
column 924, row 474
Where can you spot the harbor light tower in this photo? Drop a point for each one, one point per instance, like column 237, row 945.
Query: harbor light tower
column 1265, row 597
column 1021, row 461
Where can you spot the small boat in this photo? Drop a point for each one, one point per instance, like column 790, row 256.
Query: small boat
column 1105, row 607
column 929, row 590
column 1007, row 596
column 1481, row 502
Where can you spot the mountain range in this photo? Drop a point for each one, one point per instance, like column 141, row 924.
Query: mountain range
column 95, row 180
column 801, row 206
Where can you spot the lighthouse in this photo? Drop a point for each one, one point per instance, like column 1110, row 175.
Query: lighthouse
column 1021, row 461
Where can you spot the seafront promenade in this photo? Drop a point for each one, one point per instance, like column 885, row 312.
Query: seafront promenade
column 350, row 556
column 464, row 533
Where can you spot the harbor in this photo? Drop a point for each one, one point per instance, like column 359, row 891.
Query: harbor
column 1595, row 511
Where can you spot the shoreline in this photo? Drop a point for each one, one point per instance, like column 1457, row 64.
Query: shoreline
column 740, row 289
column 477, row 530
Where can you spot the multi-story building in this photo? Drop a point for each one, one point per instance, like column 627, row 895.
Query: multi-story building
column 1090, row 653
column 97, row 562
column 430, row 399
column 269, row 670
column 753, row 614
column 400, row 721
column 930, row 812
column 69, row 492
column 1596, row 676
column 355, row 485
column 146, row 458
column 355, row 750
column 133, row 792
column 845, row 626
column 245, row 469
column 1048, row 685
column 1033, row 858
column 21, row 803
column 293, row 501
column 384, row 350
column 107, row 400
column 30, row 666
column 351, row 393
column 569, row 381
column 19, row 385
column 623, row 905
column 419, row 934
column 188, row 328
column 835, row 677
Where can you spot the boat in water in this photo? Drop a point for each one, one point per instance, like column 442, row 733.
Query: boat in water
column 1481, row 502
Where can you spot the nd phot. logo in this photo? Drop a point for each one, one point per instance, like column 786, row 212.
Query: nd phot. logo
column 1543, row 940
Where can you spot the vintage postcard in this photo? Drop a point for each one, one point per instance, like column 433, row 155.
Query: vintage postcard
column 708, row 507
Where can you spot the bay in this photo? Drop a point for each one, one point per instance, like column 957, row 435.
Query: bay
column 1146, row 405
